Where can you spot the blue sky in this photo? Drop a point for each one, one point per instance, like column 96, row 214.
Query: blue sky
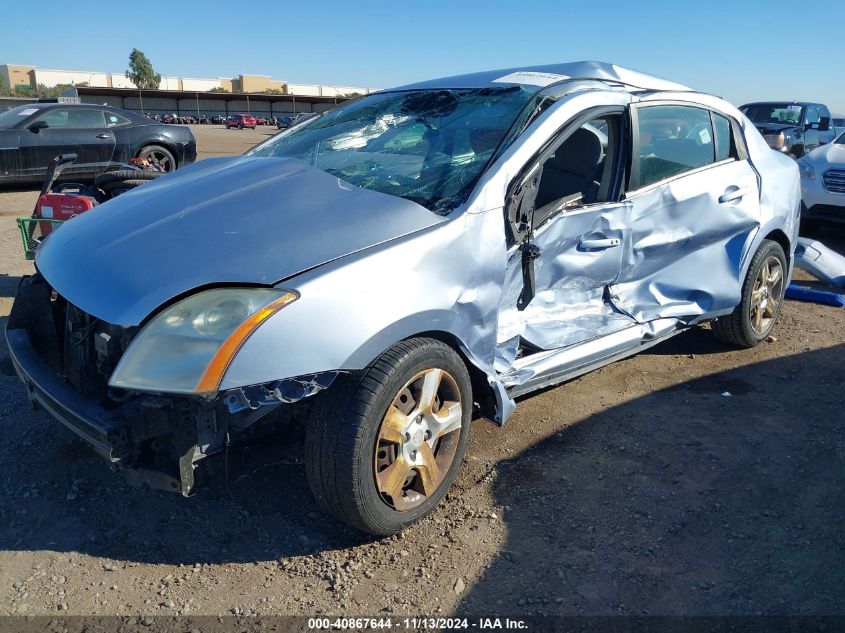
column 742, row 50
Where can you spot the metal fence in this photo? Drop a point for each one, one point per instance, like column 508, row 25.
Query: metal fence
column 13, row 102
column 208, row 105
column 195, row 105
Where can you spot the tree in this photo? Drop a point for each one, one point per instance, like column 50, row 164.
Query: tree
column 25, row 91
column 5, row 89
column 141, row 71
column 272, row 91
column 218, row 89
column 56, row 91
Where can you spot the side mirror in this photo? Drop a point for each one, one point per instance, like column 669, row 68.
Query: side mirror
column 35, row 126
column 824, row 124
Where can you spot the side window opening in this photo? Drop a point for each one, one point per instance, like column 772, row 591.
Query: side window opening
column 579, row 170
column 672, row 140
column 85, row 119
column 55, row 118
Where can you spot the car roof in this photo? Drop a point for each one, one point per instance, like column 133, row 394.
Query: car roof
column 47, row 105
column 43, row 105
column 535, row 78
column 790, row 102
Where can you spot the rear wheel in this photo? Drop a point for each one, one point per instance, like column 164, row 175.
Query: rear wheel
column 387, row 442
column 160, row 154
column 762, row 296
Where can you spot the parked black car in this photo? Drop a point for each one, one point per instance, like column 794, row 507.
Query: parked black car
column 32, row 135
column 791, row 127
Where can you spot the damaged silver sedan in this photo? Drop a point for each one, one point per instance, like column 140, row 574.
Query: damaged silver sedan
column 383, row 273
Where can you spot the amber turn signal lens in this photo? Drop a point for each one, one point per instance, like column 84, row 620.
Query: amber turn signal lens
column 213, row 374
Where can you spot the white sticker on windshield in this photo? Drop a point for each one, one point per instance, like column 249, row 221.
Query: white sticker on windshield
column 530, row 78
column 28, row 111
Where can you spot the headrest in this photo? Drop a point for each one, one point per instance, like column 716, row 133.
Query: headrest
column 579, row 154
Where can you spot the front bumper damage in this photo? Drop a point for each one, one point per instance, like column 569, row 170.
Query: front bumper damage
column 154, row 439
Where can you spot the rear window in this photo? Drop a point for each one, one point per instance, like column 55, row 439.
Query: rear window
column 113, row 119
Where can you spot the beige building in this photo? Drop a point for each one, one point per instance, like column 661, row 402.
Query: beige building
column 15, row 75
column 257, row 83
column 32, row 77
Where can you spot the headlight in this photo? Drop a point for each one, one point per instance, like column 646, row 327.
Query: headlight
column 780, row 140
column 806, row 170
column 187, row 347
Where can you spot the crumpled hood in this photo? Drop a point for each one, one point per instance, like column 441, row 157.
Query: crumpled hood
column 239, row 220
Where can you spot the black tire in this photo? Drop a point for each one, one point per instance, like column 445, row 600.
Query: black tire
column 343, row 433
column 163, row 155
column 240, row 126
column 114, row 192
column 122, row 184
column 126, row 174
column 737, row 328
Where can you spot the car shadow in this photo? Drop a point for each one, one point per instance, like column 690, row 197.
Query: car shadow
column 697, row 341
column 58, row 495
column 696, row 480
column 8, row 285
column 64, row 498
column 682, row 502
column 831, row 234
column 20, row 186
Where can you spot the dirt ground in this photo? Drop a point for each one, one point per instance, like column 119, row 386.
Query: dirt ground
column 692, row 479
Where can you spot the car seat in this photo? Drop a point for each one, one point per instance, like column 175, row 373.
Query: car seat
column 572, row 169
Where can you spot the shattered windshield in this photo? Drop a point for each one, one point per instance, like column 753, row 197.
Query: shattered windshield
column 429, row 146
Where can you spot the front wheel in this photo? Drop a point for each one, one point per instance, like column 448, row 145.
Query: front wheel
column 754, row 318
column 386, row 443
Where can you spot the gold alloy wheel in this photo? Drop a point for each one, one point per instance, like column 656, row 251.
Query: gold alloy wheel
column 418, row 439
column 766, row 296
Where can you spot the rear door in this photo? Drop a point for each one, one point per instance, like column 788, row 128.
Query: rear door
column 568, row 232
column 695, row 204
column 79, row 130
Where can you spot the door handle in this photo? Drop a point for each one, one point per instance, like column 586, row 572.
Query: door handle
column 736, row 194
column 599, row 245
column 103, row 135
